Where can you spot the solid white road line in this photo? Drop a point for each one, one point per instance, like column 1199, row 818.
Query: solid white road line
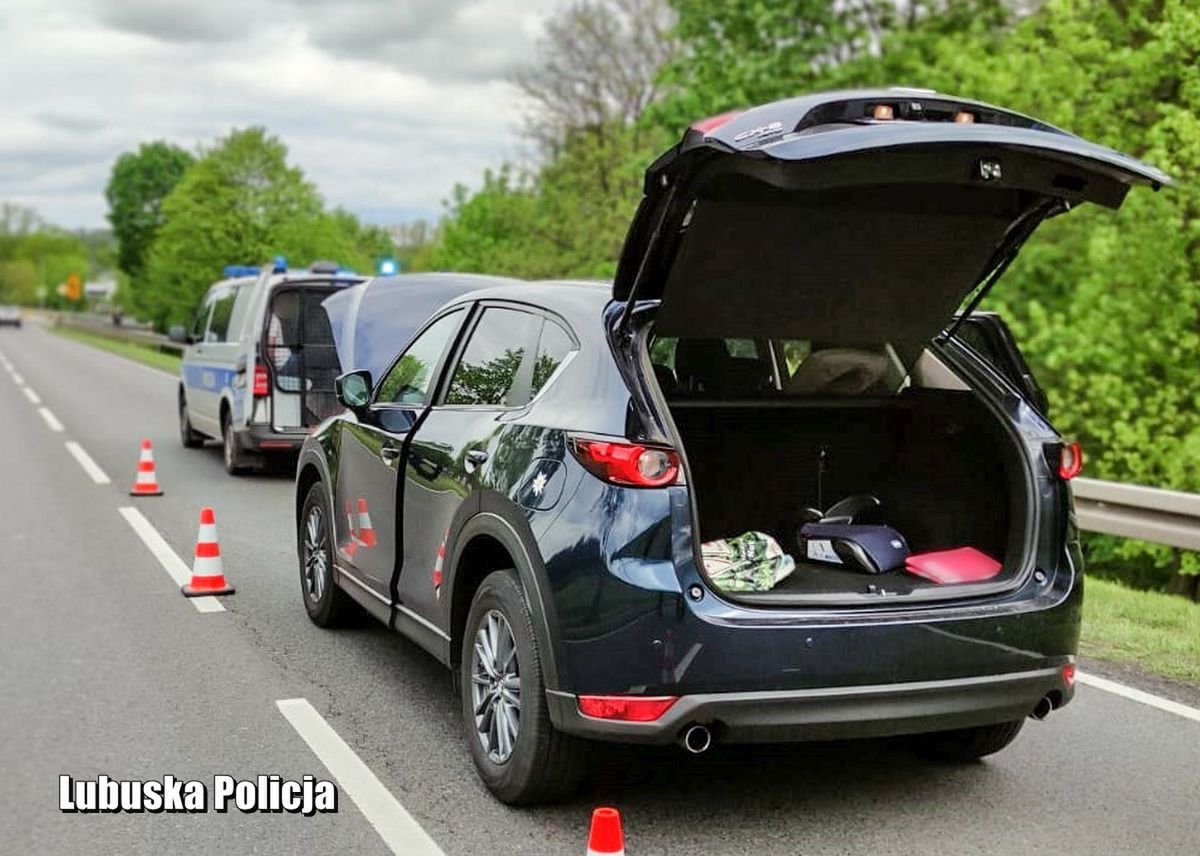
column 1139, row 696
column 51, row 420
column 162, row 551
column 33, row 397
column 383, row 811
column 85, row 460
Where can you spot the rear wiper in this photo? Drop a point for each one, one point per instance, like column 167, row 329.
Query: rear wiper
column 1004, row 257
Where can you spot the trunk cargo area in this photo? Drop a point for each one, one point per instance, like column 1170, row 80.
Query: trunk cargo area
column 299, row 347
column 936, row 459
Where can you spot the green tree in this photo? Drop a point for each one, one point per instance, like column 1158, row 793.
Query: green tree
column 139, row 182
column 241, row 202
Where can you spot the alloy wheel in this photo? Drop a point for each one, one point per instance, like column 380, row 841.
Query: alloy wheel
column 496, row 687
column 316, row 554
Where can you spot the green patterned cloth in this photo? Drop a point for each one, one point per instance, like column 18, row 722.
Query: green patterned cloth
column 752, row 561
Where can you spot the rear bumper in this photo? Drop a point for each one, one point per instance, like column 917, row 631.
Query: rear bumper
column 263, row 438
column 836, row 713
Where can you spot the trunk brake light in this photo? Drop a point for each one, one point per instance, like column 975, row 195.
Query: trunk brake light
column 626, row 708
column 627, row 463
column 262, row 384
column 1070, row 461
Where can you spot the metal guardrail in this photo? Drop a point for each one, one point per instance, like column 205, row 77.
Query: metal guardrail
column 102, row 325
column 1168, row 517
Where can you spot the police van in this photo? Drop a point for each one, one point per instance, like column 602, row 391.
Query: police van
column 260, row 361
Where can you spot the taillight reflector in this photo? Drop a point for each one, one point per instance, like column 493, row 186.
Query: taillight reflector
column 262, row 384
column 626, row 708
column 1068, row 673
column 1070, row 461
column 627, row 463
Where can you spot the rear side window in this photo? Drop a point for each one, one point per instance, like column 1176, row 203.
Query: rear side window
column 241, row 305
column 553, row 348
column 490, row 371
column 201, row 322
column 222, row 311
column 410, row 380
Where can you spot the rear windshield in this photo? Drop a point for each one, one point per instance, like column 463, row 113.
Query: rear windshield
column 768, row 368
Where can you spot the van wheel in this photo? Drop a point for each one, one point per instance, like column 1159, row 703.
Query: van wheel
column 234, row 458
column 326, row 604
column 968, row 744
column 517, row 751
column 191, row 438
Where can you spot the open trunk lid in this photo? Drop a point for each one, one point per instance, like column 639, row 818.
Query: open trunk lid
column 811, row 218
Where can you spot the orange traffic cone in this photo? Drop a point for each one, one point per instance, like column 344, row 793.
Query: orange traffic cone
column 606, row 838
column 147, row 482
column 207, row 574
column 366, row 532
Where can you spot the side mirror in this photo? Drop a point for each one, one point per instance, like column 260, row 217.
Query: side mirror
column 179, row 335
column 353, row 389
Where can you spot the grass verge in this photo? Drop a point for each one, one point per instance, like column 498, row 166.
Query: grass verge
column 1157, row 632
column 129, row 350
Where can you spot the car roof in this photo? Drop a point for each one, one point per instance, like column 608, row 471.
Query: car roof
column 567, row 297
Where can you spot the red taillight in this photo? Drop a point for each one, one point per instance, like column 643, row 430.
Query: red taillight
column 262, row 384
column 627, row 463
column 626, row 708
column 1070, row 461
column 1068, row 673
column 707, row 126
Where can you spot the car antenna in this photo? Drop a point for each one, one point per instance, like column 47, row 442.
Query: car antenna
column 1004, row 257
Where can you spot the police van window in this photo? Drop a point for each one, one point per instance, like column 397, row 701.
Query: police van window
column 201, row 322
column 411, row 379
column 218, row 327
column 488, row 373
column 241, row 306
column 553, row 348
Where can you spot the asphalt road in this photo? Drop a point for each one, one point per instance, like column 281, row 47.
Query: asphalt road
column 106, row 668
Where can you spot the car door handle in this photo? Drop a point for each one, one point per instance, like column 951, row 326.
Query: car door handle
column 389, row 454
column 475, row 457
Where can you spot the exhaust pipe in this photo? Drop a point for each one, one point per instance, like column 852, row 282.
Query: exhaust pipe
column 1042, row 709
column 696, row 739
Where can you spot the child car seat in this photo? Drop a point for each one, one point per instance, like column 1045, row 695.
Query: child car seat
column 832, row 537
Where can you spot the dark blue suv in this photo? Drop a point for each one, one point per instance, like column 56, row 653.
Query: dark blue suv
column 652, row 511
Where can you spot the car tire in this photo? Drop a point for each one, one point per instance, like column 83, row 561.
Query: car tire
column 233, row 457
column 326, row 604
column 190, row 437
column 543, row 764
column 968, row 744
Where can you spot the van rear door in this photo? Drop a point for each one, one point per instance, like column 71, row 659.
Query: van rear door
column 300, row 356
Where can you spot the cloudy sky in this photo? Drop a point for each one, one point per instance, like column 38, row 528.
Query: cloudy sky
column 385, row 104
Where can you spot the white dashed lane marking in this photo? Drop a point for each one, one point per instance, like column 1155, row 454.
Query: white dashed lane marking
column 1139, row 696
column 33, row 397
column 85, row 460
column 51, row 420
column 395, row 825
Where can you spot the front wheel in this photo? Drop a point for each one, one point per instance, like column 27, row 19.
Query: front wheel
column 968, row 744
column 191, row 438
column 517, row 751
column 326, row 604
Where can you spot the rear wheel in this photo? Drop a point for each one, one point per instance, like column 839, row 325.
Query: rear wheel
column 968, row 744
column 233, row 457
column 326, row 604
column 190, row 438
column 516, row 749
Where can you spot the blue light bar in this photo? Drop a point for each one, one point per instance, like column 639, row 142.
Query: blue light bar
column 241, row 270
column 280, row 264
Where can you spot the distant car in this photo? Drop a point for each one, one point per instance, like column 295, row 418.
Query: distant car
column 10, row 316
column 260, row 361
column 534, row 488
